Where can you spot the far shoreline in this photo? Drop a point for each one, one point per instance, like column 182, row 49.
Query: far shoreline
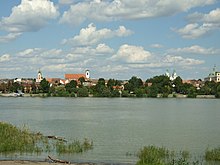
column 44, row 95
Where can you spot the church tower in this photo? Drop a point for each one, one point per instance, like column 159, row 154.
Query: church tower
column 87, row 74
column 39, row 77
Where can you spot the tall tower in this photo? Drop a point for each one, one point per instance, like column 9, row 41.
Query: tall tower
column 87, row 74
column 39, row 77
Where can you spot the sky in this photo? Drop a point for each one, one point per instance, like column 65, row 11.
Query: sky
column 112, row 38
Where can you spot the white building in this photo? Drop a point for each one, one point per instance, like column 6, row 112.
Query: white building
column 172, row 76
column 39, row 77
column 213, row 76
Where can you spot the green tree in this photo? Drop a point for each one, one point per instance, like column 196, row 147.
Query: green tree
column 82, row 92
column 217, row 95
column 15, row 87
column 205, row 90
column 101, row 82
column 44, row 86
column 133, row 84
column 113, row 82
column 115, row 93
column 60, row 91
column 162, row 83
column 192, row 92
column 71, row 86
column 178, row 82
column 101, row 90
column 152, row 91
column 166, row 91
column 105, row 92
column 212, row 85
column 125, row 94
column 81, row 80
column 129, row 87
column 140, row 92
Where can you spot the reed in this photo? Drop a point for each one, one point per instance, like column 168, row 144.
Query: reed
column 22, row 140
column 150, row 155
column 153, row 155
column 15, row 140
column 212, row 154
column 74, row 147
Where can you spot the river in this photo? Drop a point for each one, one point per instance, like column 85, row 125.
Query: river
column 119, row 125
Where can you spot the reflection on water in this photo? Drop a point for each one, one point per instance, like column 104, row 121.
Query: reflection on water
column 119, row 126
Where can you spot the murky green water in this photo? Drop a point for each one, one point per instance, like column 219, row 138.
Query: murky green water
column 120, row 125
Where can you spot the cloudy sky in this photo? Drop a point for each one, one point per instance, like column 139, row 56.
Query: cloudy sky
column 112, row 38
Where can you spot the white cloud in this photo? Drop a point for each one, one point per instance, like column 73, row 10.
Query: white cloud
column 30, row 15
column 9, row 37
column 193, row 31
column 132, row 54
column 113, row 68
column 57, row 67
column 90, row 35
column 212, row 17
column 195, row 49
column 29, row 53
column 127, row 9
column 41, row 53
column 104, row 49
column 180, row 61
column 83, row 53
column 200, row 24
column 5, row 57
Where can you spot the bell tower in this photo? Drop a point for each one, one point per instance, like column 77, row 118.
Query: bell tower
column 39, row 77
column 87, row 74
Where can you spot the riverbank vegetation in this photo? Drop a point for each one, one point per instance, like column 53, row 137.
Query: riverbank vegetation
column 22, row 140
column 153, row 155
column 158, row 86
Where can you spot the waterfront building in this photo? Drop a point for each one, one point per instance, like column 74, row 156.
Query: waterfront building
column 213, row 76
column 57, row 81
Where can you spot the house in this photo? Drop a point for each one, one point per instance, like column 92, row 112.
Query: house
column 213, row 76
column 196, row 83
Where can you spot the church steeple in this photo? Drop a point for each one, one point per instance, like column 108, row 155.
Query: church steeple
column 39, row 76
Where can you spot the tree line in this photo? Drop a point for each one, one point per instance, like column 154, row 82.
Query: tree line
column 158, row 86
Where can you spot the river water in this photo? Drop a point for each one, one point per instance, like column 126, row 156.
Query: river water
column 120, row 125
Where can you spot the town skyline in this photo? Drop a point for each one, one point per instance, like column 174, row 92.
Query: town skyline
column 113, row 39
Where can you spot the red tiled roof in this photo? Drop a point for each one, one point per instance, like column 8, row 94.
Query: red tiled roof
column 74, row 76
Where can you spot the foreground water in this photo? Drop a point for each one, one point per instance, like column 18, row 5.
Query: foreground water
column 119, row 126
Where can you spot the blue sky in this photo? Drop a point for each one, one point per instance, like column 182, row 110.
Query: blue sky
column 112, row 38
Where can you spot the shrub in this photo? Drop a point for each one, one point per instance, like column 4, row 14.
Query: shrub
column 212, row 155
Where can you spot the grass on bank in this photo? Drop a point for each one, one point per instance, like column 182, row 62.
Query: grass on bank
column 22, row 140
column 213, row 154
column 153, row 155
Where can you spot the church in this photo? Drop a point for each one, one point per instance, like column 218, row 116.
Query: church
column 76, row 77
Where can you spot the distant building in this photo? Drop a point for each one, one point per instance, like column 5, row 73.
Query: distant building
column 196, row 83
column 76, row 77
column 172, row 76
column 213, row 76
column 57, row 81
column 39, row 77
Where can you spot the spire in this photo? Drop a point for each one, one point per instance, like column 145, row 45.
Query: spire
column 214, row 68
column 167, row 73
